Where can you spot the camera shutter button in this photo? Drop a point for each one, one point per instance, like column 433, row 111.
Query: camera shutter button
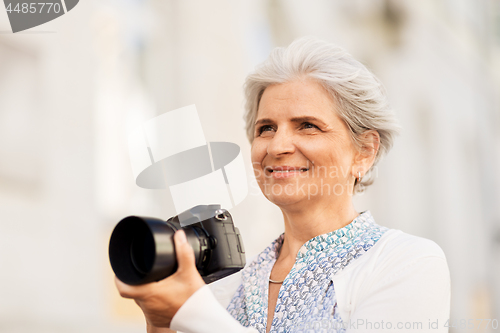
column 220, row 214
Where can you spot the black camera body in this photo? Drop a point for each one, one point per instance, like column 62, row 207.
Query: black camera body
column 141, row 249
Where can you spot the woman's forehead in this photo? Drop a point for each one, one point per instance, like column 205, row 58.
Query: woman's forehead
column 296, row 99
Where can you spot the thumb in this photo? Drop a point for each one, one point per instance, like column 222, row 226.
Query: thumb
column 183, row 252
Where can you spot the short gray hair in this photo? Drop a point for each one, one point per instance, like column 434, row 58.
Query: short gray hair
column 359, row 94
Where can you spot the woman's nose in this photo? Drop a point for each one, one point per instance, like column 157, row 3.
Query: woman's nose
column 281, row 143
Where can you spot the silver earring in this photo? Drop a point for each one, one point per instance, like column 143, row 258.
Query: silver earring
column 359, row 177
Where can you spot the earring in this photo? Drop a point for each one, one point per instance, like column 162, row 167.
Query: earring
column 359, row 177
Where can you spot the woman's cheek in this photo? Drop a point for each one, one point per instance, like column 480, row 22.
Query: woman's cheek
column 257, row 155
column 257, row 170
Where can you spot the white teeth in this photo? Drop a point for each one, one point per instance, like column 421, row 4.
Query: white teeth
column 290, row 170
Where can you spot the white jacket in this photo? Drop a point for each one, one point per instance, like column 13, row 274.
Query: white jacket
column 401, row 284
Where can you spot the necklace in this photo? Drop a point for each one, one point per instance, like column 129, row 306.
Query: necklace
column 272, row 281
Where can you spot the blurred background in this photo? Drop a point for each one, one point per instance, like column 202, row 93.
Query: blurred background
column 70, row 89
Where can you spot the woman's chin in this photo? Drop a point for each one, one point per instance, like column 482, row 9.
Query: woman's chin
column 286, row 199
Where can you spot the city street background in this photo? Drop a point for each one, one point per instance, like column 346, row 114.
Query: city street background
column 71, row 89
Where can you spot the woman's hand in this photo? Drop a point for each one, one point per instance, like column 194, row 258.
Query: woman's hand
column 160, row 300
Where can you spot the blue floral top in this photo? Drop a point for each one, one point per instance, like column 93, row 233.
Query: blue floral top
column 306, row 300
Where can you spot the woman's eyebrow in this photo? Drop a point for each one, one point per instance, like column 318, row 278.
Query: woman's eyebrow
column 295, row 120
column 263, row 121
column 307, row 118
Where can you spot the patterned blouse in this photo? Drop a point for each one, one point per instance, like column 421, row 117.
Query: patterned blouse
column 306, row 300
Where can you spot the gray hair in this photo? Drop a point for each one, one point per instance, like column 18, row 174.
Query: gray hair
column 359, row 94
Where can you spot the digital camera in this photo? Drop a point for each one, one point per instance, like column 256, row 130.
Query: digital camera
column 141, row 249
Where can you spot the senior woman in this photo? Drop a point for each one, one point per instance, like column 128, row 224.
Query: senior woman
column 318, row 122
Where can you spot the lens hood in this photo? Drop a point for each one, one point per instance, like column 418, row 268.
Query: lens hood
column 141, row 250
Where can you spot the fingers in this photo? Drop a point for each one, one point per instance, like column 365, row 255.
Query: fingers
column 186, row 268
column 184, row 252
column 128, row 291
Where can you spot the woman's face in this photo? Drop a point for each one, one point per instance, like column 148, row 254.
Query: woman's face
column 302, row 150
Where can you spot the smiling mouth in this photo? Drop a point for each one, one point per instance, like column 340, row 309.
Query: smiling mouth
column 285, row 169
column 286, row 172
column 289, row 170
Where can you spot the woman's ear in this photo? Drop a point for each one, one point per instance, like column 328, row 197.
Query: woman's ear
column 370, row 142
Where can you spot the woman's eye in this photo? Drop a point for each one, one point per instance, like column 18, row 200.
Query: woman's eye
column 265, row 128
column 309, row 125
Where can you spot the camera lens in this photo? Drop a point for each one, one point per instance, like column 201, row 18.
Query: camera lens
column 141, row 250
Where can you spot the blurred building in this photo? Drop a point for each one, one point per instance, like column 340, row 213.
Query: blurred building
column 71, row 89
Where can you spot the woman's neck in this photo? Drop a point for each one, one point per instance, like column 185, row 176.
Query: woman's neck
column 303, row 224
